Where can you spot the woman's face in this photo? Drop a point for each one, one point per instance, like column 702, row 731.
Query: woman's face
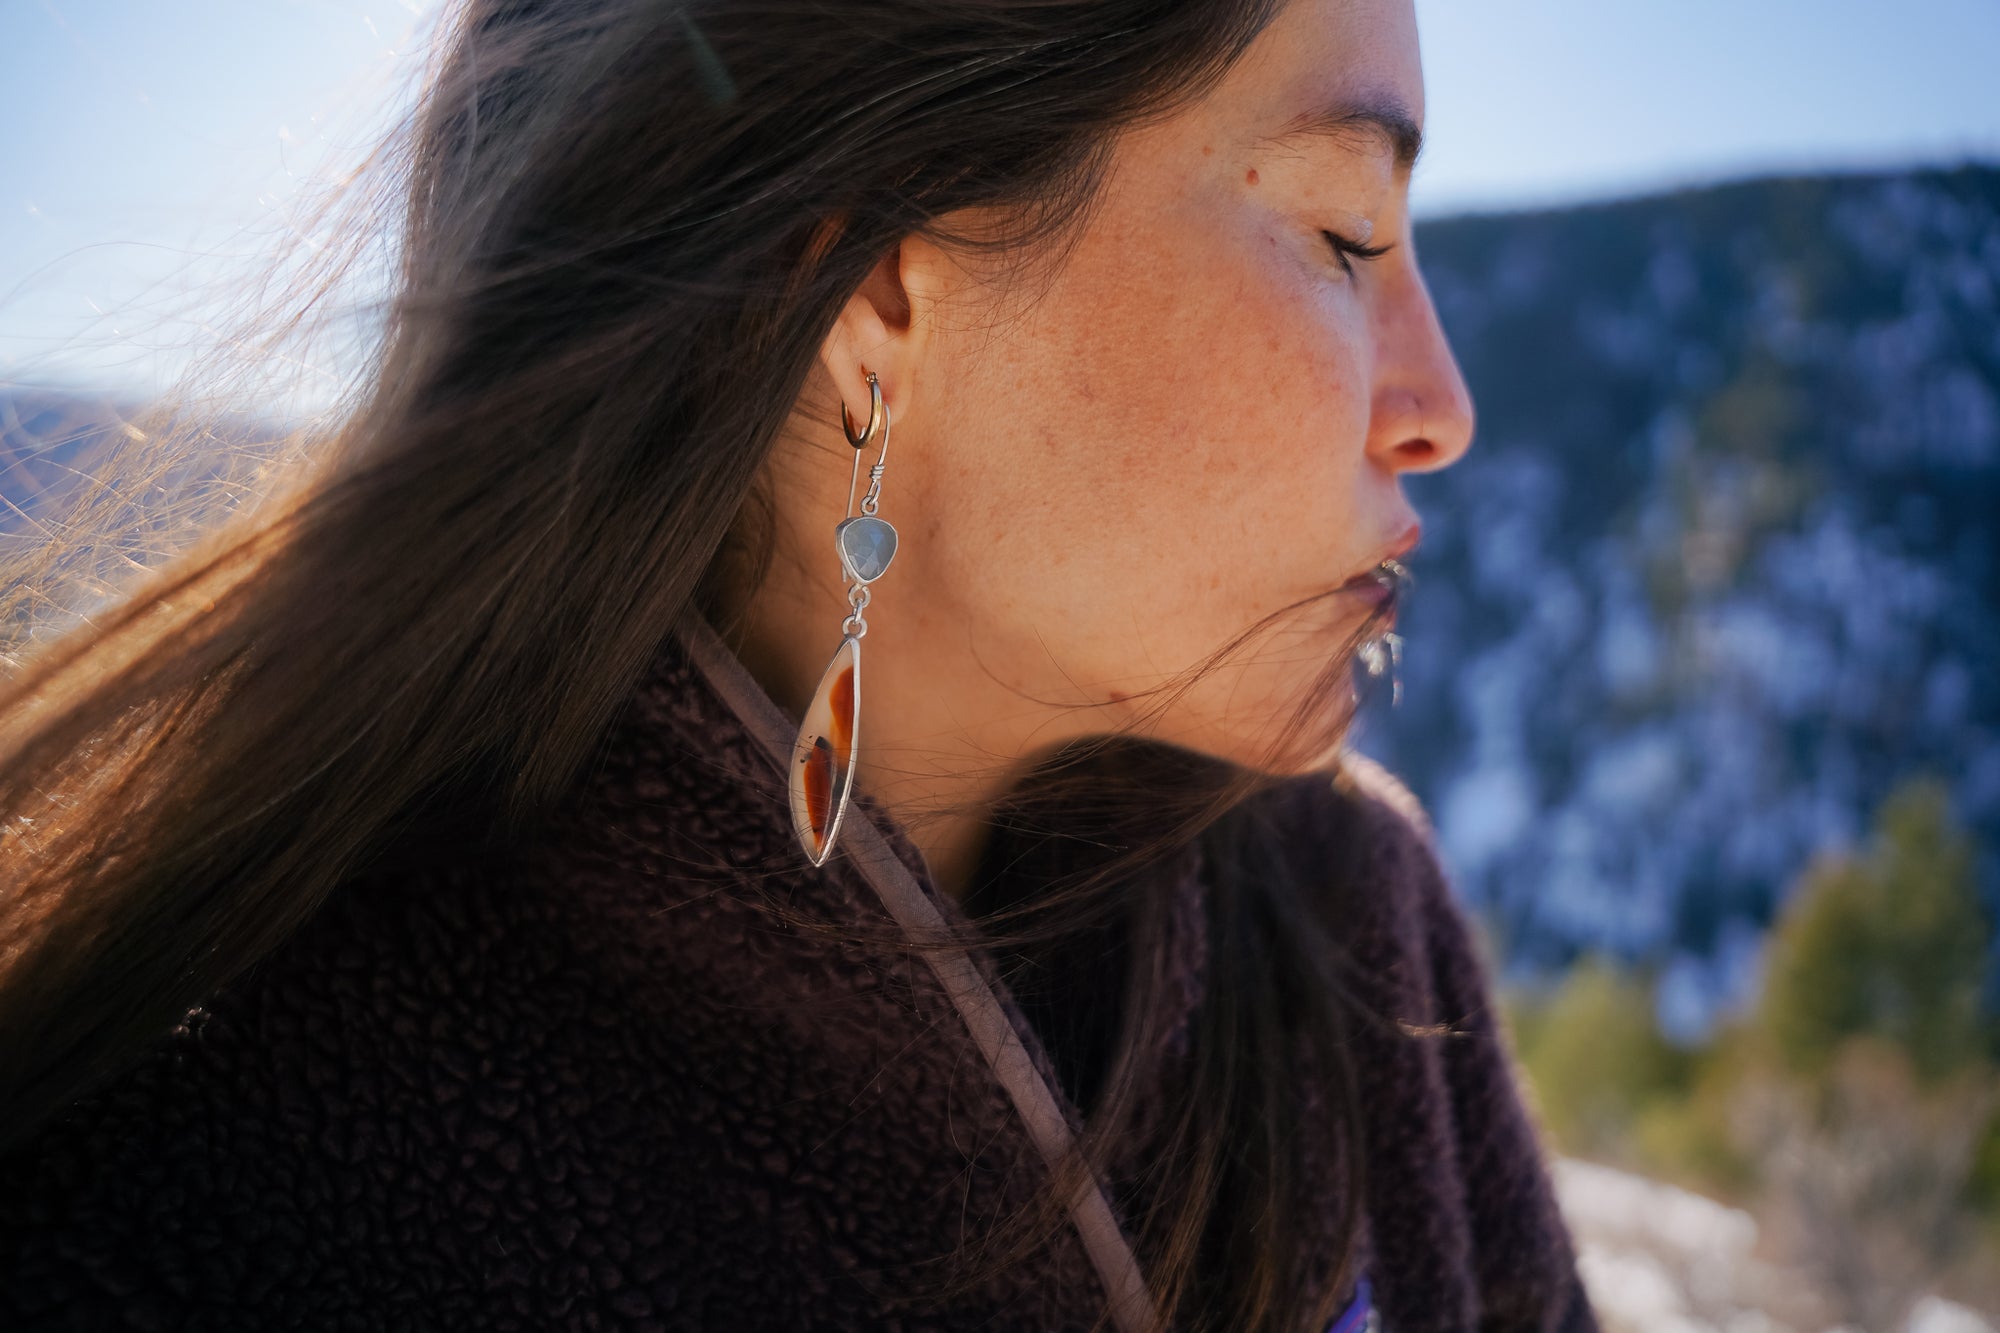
column 1203, row 416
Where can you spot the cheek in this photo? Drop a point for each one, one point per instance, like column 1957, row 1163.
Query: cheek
column 1243, row 369
column 1172, row 428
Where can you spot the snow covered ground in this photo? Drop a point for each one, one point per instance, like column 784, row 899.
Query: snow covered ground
column 1658, row 1259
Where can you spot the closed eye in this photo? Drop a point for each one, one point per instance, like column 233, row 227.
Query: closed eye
column 1344, row 250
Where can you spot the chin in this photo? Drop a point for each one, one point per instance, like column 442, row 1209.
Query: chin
column 1315, row 747
column 1286, row 703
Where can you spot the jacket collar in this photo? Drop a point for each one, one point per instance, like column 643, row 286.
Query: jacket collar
column 745, row 728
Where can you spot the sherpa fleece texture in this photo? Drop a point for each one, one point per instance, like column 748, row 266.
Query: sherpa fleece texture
column 587, row 1085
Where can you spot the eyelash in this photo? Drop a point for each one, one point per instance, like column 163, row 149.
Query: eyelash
column 1343, row 248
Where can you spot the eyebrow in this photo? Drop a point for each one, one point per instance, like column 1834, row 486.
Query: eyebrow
column 1381, row 117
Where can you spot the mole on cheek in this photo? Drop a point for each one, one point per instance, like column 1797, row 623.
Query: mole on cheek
column 1251, row 176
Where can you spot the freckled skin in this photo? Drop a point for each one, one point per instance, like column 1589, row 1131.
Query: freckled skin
column 1098, row 481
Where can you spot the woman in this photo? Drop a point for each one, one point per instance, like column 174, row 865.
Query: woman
column 472, row 890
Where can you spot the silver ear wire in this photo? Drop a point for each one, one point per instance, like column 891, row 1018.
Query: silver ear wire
column 878, row 414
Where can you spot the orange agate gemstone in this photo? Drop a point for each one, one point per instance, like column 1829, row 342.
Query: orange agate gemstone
column 842, row 704
column 823, row 755
column 819, row 776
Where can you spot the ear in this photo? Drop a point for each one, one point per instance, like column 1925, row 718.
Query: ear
column 885, row 327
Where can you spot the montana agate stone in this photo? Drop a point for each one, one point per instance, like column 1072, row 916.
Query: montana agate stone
column 823, row 755
column 866, row 546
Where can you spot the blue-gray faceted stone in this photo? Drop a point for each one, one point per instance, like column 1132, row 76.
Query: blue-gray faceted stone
column 866, row 546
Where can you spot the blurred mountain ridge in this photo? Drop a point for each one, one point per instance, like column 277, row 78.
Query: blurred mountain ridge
column 1719, row 569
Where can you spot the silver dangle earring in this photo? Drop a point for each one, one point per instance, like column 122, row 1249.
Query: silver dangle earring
column 1382, row 654
column 823, row 756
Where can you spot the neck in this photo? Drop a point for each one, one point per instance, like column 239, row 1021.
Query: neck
column 939, row 741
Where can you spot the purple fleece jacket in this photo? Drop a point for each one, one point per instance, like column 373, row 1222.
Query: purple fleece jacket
column 585, row 1084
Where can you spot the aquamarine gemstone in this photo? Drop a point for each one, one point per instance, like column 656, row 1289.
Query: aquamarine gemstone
column 866, row 546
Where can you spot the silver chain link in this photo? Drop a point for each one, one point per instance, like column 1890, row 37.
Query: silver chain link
column 857, row 597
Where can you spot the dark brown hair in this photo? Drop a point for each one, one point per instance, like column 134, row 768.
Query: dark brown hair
column 629, row 225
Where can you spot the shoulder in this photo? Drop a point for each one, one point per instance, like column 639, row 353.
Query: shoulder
column 1357, row 820
column 1408, row 847
column 1364, row 779
column 1433, row 967
column 199, row 1177
column 1372, row 846
column 1370, row 841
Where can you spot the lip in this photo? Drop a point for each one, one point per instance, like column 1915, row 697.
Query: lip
column 1375, row 588
column 1371, row 582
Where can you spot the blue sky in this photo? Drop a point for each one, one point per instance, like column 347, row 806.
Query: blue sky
column 155, row 148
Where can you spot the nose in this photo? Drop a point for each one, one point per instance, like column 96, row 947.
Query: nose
column 1422, row 419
